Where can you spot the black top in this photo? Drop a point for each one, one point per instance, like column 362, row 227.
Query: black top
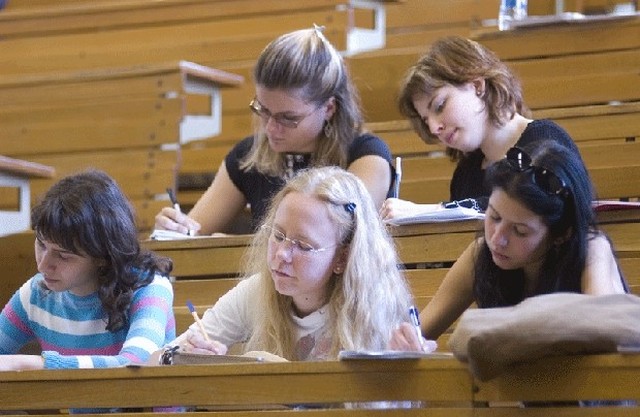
column 468, row 177
column 258, row 188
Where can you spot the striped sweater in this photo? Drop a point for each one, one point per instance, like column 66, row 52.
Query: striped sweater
column 71, row 329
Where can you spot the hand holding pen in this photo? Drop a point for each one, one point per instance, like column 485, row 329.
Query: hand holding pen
column 194, row 313
column 178, row 213
column 398, row 178
column 415, row 320
column 199, row 341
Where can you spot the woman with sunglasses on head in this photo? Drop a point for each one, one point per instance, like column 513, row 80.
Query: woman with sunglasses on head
column 307, row 115
column 461, row 95
column 540, row 237
column 322, row 276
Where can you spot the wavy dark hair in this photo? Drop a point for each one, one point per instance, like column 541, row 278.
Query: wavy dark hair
column 87, row 213
column 570, row 219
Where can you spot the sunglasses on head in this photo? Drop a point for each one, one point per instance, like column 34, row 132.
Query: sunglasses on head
column 547, row 180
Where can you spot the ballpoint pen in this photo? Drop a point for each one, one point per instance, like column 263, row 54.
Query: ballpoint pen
column 396, row 184
column 176, row 206
column 192, row 309
column 415, row 320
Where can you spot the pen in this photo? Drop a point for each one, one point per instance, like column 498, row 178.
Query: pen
column 176, row 206
column 396, row 185
column 192, row 309
column 415, row 320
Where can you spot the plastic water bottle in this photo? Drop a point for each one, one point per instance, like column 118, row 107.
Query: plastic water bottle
column 511, row 10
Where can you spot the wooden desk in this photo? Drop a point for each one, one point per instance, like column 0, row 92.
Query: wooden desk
column 444, row 381
column 445, row 385
column 17, row 174
column 417, row 245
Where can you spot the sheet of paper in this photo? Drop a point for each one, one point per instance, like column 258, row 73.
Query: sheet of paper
column 158, row 234
column 345, row 355
column 434, row 213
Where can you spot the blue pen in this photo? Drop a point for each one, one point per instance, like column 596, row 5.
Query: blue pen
column 194, row 313
column 415, row 320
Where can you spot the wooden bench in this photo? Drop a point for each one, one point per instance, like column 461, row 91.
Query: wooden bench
column 127, row 121
column 106, row 34
column 563, row 65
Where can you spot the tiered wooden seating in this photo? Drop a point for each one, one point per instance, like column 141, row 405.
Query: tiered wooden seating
column 127, row 121
column 82, row 35
column 573, row 74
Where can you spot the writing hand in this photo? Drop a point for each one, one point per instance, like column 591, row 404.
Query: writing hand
column 196, row 343
column 171, row 219
column 394, row 207
column 404, row 338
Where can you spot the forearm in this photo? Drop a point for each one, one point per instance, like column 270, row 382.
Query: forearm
column 21, row 362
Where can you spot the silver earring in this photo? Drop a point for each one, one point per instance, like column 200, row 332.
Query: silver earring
column 478, row 93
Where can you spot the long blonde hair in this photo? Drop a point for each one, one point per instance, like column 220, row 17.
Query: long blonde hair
column 366, row 302
column 305, row 60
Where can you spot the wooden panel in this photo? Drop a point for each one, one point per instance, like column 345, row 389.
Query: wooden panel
column 203, row 42
column 131, row 168
column 444, row 381
column 612, row 377
column 111, row 15
column 433, row 248
column 563, row 39
column 73, row 128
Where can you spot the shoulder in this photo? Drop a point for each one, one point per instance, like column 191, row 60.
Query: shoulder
column 241, row 148
column 599, row 245
column 368, row 144
column 160, row 286
column 546, row 129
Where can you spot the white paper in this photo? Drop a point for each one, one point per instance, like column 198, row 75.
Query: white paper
column 435, row 213
column 158, row 234
column 389, row 354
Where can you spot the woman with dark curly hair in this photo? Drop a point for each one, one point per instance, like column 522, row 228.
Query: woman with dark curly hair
column 98, row 299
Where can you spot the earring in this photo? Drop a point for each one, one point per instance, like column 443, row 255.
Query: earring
column 338, row 270
column 478, row 93
column 327, row 129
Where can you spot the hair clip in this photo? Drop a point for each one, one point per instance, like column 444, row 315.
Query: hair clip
column 319, row 31
column 318, row 28
column 350, row 207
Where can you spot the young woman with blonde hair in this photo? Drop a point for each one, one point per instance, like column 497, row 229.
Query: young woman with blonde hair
column 322, row 276
column 307, row 114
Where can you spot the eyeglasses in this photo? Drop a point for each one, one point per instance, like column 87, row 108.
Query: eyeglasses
column 542, row 177
column 299, row 246
column 290, row 122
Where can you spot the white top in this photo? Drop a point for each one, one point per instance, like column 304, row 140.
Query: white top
column 232, row 319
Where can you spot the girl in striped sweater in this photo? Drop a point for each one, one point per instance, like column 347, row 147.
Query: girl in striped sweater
column 98, row 299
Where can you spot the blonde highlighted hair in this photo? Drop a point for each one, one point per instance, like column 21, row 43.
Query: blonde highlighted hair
column 305, row 61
